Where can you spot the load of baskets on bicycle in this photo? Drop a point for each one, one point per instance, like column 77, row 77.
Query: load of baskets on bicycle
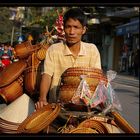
column 86, row 101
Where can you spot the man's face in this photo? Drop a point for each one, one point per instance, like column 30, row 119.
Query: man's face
column 73, row 31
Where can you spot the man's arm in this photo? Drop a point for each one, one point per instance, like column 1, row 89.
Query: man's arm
column 44, row 88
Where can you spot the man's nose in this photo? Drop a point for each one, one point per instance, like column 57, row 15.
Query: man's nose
column 71, row 31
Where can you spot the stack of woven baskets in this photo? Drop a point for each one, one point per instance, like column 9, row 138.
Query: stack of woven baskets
column 72, row 77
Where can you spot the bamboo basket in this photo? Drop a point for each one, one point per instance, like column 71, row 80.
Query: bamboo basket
column 39, row 119
column 122, row 123
column 83, row 130
column 12, row 72
column 71, row 78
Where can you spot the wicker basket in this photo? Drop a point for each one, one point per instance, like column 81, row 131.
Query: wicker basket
column 73, row 75
column 122, row 123
column 66, row 92
column 94, row 124
column 71, row 78
column 32, row 75
column 92, row 80
column 12, row 91
column 41, row 53
column 83, row 130
column 83, row 70
column 24, row 49
column 12, row 72
column 40, row 119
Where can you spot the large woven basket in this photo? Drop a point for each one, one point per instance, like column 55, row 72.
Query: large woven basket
column 71, row 78
column 66, row 92
column 83, row 70
column 40, row 119
column 92, row 80
column 73, row 75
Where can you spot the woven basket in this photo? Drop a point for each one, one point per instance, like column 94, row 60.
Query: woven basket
column 24, row 49
column 94, row 124
column 108, row 122
column 41, row 53
column 40, row 119
column 83, row 70
column 83, row 130
column 66, row 92
column 122, row 123
column 12, row 91
column 32, row 75
column 12, row 72
column 73, row 75
column 91, row 80
column 71, row 78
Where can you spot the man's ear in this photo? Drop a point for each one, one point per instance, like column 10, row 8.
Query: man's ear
column 84, row 29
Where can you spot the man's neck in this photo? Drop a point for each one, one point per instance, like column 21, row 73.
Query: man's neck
column 74, row 48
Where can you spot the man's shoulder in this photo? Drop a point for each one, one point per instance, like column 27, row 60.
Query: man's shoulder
column 87, row 44
column 57, row 44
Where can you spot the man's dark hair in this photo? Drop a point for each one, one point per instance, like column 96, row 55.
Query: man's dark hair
column 75, row 13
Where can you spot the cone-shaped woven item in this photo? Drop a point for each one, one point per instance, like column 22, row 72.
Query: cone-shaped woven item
column 39, row 119
column 18, row 110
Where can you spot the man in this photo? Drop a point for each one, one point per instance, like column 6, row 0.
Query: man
column 71, row 53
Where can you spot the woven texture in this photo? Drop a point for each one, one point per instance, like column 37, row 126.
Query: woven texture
column 12, row 72
column 41, row 53
column 31, row 73
column 72, row 77
column 83, row 130
column 94, row 124
column 122, row 123
column 12, row 91
column 40, row 119
column 24, row 49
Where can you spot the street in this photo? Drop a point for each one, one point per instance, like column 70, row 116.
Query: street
column 127, row 91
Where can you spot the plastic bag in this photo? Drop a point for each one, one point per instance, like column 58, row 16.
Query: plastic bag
column 111, row 75
column 83, row 94
column 99, row 96
column 112, row 101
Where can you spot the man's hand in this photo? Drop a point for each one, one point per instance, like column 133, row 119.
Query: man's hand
column 40, row 104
